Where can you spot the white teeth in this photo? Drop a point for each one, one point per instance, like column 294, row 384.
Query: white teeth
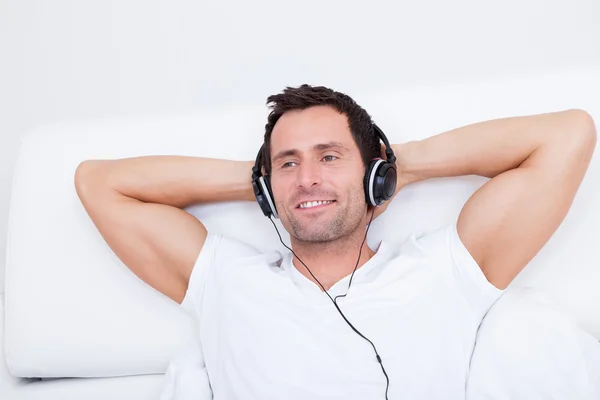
column 309, row 204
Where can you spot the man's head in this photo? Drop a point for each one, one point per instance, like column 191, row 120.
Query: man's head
column 318, row 143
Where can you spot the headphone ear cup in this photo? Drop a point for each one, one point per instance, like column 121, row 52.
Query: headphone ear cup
column 368, row 182
column 260, row 197
column 386, row 179
column 268, row 195
column 380, row 182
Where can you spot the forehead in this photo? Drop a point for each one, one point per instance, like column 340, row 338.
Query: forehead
column 302, row 129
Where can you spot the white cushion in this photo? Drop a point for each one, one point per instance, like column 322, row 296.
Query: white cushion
column 527, row 349
column 143, row 387
column 73, row 309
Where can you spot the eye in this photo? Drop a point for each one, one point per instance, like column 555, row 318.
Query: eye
column 288, row 164
column 329, row 158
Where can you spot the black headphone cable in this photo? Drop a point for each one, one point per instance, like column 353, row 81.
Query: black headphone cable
column 343, row 295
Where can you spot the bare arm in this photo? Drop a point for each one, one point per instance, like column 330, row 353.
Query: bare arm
column 536, row 164
column 136, row 204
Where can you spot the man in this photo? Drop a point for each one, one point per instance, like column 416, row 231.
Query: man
column 339, row 319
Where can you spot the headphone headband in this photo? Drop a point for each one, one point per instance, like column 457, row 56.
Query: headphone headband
column 389, row 153
column 257, row 169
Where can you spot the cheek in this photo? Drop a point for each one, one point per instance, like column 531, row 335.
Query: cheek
column 356, row 191
column 279, row 189
column 351, row 179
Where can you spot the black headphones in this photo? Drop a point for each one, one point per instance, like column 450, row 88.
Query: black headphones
column 379, row 182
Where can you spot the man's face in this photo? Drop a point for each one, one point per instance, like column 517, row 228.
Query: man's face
column 314, row 158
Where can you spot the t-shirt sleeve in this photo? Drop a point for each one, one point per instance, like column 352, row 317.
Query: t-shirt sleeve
column 186, row 377
column 469, row 277
column 449, row 251
column 217, row 250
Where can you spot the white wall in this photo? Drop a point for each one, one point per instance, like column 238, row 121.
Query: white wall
column 65, row 59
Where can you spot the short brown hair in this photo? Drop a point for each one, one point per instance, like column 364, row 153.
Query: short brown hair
column 306, row 96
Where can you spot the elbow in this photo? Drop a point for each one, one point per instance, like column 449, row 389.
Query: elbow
column 584, row 125
column 582, row 133
column 88, row 177
column 82, row 173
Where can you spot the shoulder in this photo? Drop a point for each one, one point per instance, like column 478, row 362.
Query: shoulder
column 443, row 250
column 442, row 243
column 226, row 248
column 433, row 244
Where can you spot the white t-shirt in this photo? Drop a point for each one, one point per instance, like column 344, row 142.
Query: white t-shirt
column 268, row 332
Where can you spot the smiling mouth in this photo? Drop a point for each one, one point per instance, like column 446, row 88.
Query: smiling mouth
column 314, row 204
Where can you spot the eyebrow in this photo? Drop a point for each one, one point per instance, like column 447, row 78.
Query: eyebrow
column 318, row 146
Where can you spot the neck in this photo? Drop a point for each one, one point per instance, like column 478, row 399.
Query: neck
column 331, row 261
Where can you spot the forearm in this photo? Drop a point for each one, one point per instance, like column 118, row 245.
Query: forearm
column 173, row 180
column 486, row 148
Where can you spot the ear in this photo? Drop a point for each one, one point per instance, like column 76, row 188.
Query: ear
column 383, row 155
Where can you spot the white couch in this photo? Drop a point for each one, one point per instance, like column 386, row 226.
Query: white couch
column 73, row 310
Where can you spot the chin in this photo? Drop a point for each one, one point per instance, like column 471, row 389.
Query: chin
column 327, row 228
column 309, row 233
column 316, row 237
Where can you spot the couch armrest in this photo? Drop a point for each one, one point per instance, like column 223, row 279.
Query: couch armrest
column 8, row 383
column 2, row 280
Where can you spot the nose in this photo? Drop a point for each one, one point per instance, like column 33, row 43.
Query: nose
column 309, row 174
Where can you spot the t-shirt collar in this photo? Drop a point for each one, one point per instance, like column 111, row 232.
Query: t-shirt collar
column 361, row 275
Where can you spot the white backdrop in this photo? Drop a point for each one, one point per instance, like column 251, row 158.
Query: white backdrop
column 70, row 59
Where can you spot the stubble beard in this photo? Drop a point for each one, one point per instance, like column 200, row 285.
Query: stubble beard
column 344, row 223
